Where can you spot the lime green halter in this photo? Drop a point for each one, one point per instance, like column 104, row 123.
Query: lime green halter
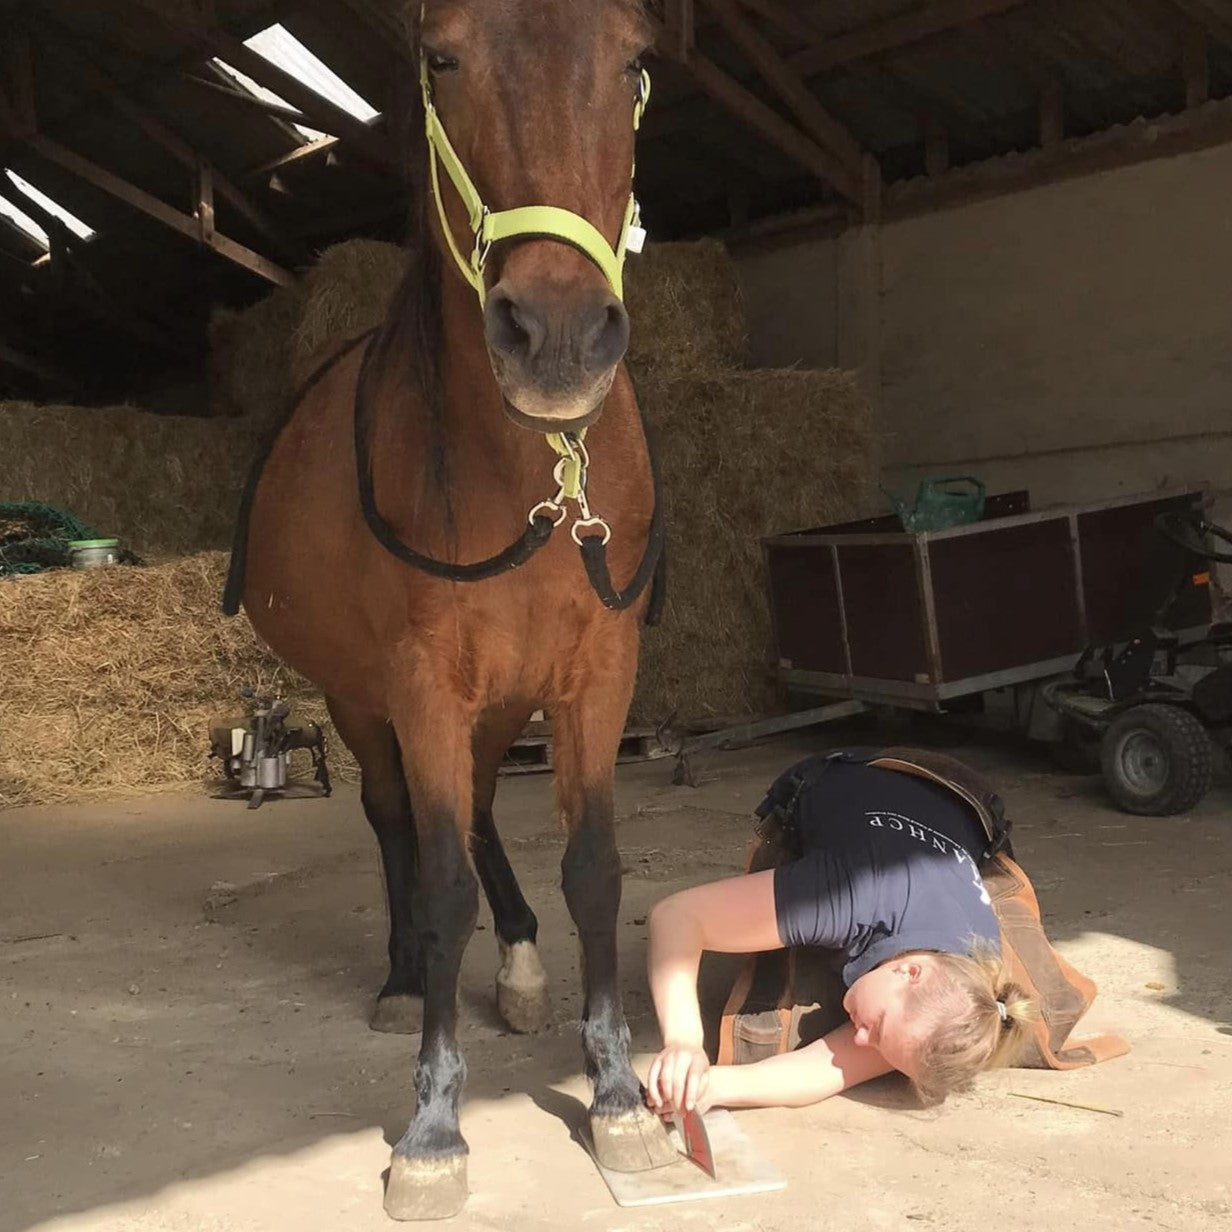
column 544, row 221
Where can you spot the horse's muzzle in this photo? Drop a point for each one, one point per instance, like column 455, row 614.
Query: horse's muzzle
column 554, row 351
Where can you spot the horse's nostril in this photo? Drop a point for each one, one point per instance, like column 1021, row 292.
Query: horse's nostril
column 505, row 324
column 611, row 337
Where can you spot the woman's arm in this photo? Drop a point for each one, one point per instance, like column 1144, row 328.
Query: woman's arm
column 735, row 916
column 795, row 1079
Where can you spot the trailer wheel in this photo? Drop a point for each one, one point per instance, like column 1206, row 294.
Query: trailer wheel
column 1157, row 760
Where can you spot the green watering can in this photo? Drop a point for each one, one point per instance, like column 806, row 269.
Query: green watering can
column 940, row 503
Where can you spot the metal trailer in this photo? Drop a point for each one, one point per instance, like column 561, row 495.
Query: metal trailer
column 865, row 615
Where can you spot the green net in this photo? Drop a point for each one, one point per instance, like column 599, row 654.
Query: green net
column 34, row 537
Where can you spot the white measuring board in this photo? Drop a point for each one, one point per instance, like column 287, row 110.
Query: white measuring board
column 739, row 1166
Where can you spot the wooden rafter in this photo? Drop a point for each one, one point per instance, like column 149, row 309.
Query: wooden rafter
column 895, row 32
column 245, row 101
column 303, row 153
column 786, row 17
column 681, row 29
column 764, row 120
column 86, row 70
column 187, row 225
column 90, row 295
column 789, row 85
column 318, row 112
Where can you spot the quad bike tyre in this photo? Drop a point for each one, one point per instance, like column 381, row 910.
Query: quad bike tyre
column 1157, row 760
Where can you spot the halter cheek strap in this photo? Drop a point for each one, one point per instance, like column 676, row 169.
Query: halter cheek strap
column 539, row 221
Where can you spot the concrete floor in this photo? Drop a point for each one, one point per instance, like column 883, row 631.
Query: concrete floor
column 175, row 1057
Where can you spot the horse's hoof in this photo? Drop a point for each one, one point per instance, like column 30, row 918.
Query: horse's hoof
column 522, row 988
column 401, row 1014
column 425, row 1188
column 632, row 1142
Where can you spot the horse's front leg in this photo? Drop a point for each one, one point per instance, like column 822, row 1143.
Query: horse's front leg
column 587, row 729
column 427, row 1173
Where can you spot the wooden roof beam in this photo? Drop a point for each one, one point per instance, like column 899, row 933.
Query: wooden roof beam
column 820, row 125
column 786, row 17
column 763, row 119
column 186, row 224
column 894, row 32
column 154, row 127
column 317, row 112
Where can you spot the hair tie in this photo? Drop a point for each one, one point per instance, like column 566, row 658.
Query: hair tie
column 1005, row 1014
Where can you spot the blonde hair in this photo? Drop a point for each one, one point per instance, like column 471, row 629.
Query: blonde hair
column 962, row 998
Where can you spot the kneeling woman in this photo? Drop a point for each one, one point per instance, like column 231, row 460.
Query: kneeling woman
column 887, row 883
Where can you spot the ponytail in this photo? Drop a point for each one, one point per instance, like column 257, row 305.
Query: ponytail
column 981, row 1020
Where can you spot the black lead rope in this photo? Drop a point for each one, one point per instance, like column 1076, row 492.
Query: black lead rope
column 537, row 533
column 538, row 530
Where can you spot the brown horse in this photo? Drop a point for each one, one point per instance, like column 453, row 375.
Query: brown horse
column 388, row 554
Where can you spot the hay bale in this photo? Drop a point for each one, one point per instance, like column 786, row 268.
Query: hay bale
column 685, row 308
column 249, row 356
column 744, row 454
column 162, row 484
column 111, row 678
column 347, row 292
column 683, row 299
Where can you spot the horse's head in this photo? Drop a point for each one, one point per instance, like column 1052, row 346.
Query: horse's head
column 537, row 98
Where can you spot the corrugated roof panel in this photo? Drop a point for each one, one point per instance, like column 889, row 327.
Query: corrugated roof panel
column 280, row 47
column 54, row 208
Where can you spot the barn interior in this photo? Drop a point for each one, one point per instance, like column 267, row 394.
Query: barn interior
column 890, row 243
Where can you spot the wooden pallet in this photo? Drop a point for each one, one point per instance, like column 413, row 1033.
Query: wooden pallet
column 532, row 753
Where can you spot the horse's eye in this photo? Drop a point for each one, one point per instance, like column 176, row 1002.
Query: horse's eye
column 439, row 63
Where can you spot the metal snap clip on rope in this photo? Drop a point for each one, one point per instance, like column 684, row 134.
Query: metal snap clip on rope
column 552, row 508
column 585, row 523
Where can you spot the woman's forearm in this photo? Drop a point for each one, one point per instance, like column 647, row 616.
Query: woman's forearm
column 673, row 958
column 796, row 1079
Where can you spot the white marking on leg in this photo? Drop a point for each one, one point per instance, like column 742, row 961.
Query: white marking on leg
column 521, row 969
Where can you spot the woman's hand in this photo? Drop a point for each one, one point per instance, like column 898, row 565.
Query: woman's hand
column 679, row 1080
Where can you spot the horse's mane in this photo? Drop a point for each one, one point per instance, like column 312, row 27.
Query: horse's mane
column 409, row 344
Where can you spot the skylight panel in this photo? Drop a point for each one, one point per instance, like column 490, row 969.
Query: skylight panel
column 259, row 91
column 280, row 47
column 69, row 219
column 25, row 223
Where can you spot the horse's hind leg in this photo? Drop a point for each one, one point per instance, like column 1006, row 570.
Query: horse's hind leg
column 427, row 1172
column 626, row 1135
column 521, row 983
column 399, row 1006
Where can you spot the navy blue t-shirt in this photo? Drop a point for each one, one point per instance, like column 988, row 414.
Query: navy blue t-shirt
column 889, row 865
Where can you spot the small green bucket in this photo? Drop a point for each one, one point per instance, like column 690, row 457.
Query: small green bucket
column 94, row 553
column 941, row 503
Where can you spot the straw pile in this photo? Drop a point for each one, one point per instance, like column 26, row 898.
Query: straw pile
column 744, row 454
column 112, row 676
column 163, row 485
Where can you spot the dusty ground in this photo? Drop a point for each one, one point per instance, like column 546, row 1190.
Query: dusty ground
column 173, row 1058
